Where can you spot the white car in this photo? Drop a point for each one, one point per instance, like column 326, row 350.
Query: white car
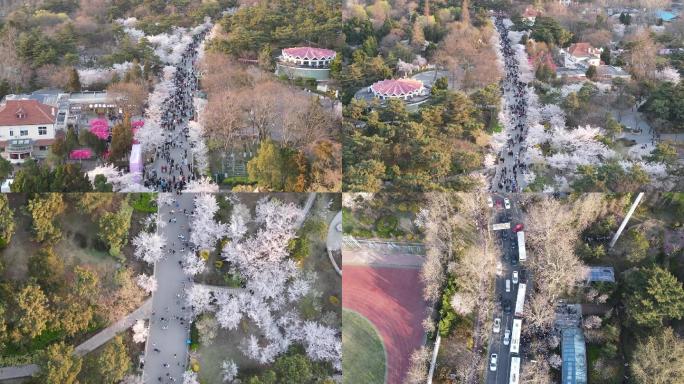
column 492, row 362
column 490, row 202
column 507, row 336
column 497, row 325
column 514, row 278
column 507, row 203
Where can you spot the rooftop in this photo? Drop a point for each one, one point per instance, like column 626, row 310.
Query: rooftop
column 26, row 112
column 310, row 53
column 573, row 350
column 397, row 87
column 581, row 49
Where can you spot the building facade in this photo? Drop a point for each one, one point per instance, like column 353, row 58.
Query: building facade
column 305, row 62
column 27, row 130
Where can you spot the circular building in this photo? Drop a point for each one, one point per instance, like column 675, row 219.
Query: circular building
column 305, row 62
column 308, row 56
column 397, row 89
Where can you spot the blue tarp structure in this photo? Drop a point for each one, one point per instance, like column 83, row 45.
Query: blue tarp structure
column 601, row 274
column 665, row 15
column 574, row 354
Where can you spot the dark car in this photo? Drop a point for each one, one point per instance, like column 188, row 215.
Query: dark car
column 507, row 306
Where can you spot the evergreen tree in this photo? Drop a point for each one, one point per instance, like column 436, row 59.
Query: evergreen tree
column 74, row 83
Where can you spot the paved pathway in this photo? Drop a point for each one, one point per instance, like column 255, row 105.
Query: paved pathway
column 87, row 346
column 143, row 312
column 334, row 242
column 166, row 351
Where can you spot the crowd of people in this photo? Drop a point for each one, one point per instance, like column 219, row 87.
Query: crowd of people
column 171, row 168
column 507, row 177
column 174, row 312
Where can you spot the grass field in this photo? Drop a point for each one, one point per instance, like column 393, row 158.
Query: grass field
column 363, row 361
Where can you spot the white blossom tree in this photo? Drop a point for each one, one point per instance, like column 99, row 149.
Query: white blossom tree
column 199, row 298
column 190, row 377
column 148, row 283
column 229, row 370
column 322, row 343
column 193, row 264
column 149, row 247
column 140, row 331
column 205, row 231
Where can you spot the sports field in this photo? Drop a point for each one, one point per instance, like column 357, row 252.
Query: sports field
column 363, row 361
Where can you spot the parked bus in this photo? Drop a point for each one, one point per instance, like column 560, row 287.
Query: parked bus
column 515, row 336
column 515, row 371
column 520, row 301
column 522, row 255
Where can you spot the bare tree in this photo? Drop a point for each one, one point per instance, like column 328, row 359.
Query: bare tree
column 418, row 366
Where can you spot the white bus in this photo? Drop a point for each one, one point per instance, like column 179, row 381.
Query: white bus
column 522, row 254
column 515, row 336
column 515, row 371
column 520, row 301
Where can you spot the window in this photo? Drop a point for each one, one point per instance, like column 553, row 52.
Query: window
column 42, row 147
column 42, row 131
column 23, row 132
column 11, row 133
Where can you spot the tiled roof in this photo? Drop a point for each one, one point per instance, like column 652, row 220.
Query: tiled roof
column 310, row 53
column 396, row 87
column 25, row 112
column 580, row 49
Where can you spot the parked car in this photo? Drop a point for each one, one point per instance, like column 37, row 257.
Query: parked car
column 490, row 202
column 507, row 203
column 492, row 362
column 507, row 337
column 497, row 325
column 518, row 227
column 514, row 277
column 508, row 285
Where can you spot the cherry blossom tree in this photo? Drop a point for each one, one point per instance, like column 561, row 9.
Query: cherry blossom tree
column 140, row 331
column 193, row 265
column 205, row 230
column 202, row 185
column 239, row 218
column 148, row 283
column 190, row 377
column 198, row 297
column 149, row 247
column 322, row 343
column 229, row 370
column 229, row 313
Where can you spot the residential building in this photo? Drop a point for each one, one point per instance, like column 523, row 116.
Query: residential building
column 27, row 129
column 581, row 55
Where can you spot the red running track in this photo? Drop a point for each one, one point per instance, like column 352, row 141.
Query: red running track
column 390, row 298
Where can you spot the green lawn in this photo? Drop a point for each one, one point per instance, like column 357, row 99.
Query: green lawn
column 363, row 361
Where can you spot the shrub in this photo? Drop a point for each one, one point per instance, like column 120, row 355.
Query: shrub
column 334, row 300
column 386, row 226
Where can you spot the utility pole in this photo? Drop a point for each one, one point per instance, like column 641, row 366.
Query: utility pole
column 626, row 219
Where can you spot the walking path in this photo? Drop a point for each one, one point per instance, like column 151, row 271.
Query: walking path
column 507, row 177
column 382, row 253
column 173, row 165
column 166, row 351
column 334, row 242
column 142, row 312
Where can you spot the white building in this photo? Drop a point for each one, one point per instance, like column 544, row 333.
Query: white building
column 581, row 55
column 27, row 129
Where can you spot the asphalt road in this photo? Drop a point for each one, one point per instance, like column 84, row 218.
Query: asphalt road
column 496, row 345
column 166, row 343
